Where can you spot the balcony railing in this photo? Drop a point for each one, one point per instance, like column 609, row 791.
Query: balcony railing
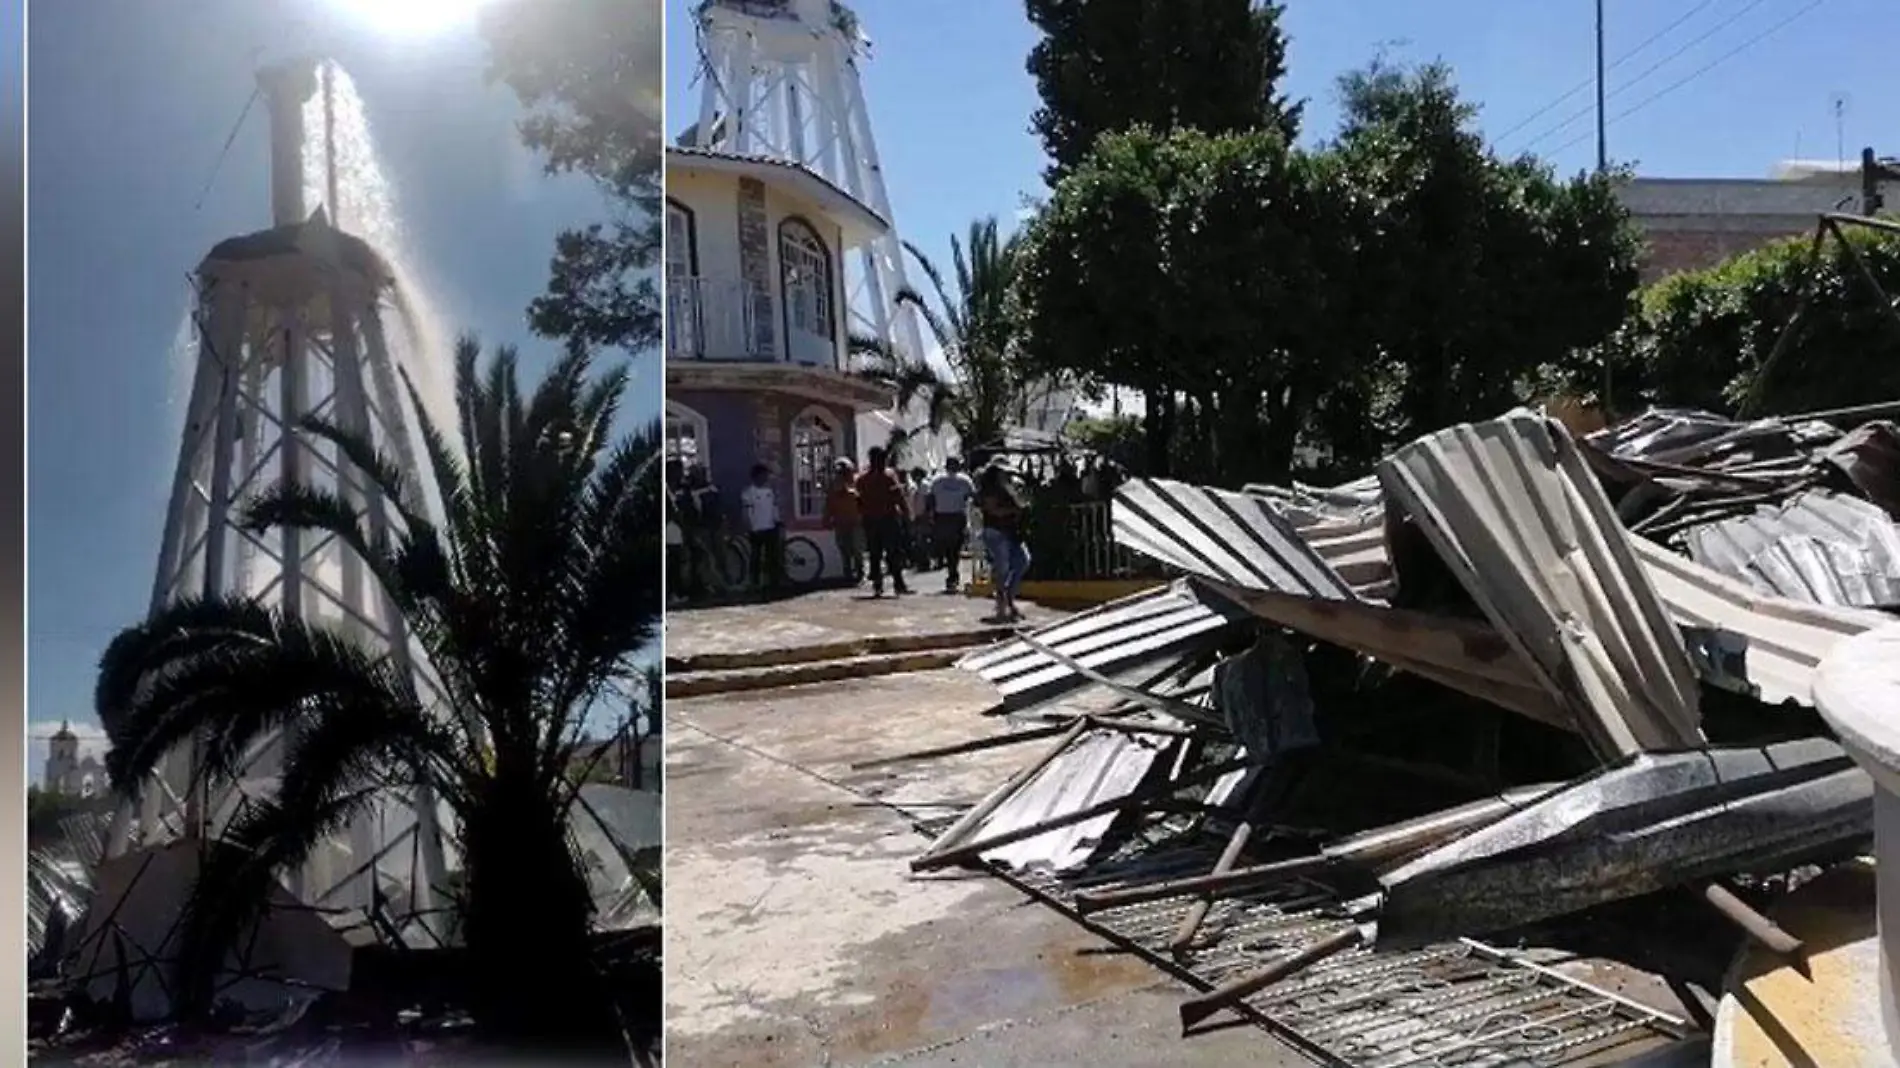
column 709, row 318
column 720, row 319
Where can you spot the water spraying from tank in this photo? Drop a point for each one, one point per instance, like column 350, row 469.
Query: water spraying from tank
column 341, row 171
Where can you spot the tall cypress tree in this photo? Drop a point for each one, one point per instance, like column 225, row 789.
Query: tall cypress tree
column 1108, row 65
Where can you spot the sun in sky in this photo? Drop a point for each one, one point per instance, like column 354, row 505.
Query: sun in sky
column 410, row 18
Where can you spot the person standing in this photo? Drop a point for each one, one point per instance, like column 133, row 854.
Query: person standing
column 846, row 520
column 950, row 519
column 763, row 527
column 882, row 504
column 1002, row 512
column 705, row 521
column 922, row 547
column 679, row 557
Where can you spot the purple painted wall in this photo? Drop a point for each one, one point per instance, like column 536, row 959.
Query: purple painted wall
column 744, row 428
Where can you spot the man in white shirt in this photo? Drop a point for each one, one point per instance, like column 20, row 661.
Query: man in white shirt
column 950, row 497
column 759, row 502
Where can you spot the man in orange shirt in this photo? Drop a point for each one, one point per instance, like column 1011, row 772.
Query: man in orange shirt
column 881, row 502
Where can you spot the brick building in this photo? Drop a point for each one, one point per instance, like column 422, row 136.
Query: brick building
column 1697, row 222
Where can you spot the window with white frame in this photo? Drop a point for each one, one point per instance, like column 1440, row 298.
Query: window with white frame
column 682, row 287
column 805, row 277
column 814, row 447
column 686, row 435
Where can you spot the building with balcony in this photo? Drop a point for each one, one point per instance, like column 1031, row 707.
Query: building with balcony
column 757, row 369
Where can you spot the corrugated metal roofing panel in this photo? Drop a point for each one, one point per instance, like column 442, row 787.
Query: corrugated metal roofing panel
column 1817, row 546
column 1785, row 639
column 1234, row 537
column 1115, row 639
column 1100, row 765
column 1513, row 509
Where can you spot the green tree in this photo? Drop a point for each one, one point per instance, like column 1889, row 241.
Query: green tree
column 1104, row 66
column 1193, row 268
column 987, row 389
column 528, row 598
column 589, row 74
column 1703, row 338
column 1476, row 272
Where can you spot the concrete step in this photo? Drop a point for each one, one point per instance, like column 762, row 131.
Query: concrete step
column 838, row 669
column 854, row 648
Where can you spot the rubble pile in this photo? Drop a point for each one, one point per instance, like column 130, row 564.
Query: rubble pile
column 1510, row 680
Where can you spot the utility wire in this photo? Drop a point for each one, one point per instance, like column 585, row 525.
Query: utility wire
column 1698, row 72
column 1620, row 60
column 1588, row 109
column 218, row 164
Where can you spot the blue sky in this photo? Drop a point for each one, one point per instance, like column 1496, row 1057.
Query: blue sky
column 950, row 100
column 130, row 102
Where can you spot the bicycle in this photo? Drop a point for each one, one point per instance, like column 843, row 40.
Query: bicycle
column 803, row 562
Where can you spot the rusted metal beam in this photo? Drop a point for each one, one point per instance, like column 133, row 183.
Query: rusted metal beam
column 1760, row 929
column 1231, row 881
column 1194, row 1010
column 1229, row 856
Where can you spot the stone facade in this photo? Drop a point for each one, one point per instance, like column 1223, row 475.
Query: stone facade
column 755, row 266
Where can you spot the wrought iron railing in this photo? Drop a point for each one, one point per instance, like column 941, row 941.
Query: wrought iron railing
column 1073, row 542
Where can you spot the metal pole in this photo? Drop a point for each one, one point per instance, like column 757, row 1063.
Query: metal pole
column 1603, row 144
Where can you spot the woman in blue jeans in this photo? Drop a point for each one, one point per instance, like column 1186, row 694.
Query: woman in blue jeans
column 1002, row 513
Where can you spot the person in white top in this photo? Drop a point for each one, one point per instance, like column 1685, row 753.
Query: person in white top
column 763, row 528
column 917, row 499
column 949, row 508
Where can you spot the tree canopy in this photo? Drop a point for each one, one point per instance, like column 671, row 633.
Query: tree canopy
column 1703, row 338
column 588, row 73
column 1264, row 298
column 1108, row 65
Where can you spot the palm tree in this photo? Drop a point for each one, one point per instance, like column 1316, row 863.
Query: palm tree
column 987, row 390
column 528, row 599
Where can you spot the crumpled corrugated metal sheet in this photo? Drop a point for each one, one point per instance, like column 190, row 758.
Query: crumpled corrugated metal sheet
column 1302, row 504
column 1119, row 639
column 1513, row 509
column 1703, row 439
column 1817, row 546
column 1234, row 537
column 1782, row 640
column 1100, row 765
column 1869, row 457
column 1654, row 821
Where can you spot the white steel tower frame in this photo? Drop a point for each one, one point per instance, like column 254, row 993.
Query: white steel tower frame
column 780, row 81
column 289, row 323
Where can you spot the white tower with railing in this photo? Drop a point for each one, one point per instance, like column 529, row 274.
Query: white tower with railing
column 779, row 80
column 289, row 323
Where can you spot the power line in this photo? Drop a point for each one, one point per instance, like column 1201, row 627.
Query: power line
column 1620, row 60
column 218, row 164
column 1584, row 112
column 1698, row 72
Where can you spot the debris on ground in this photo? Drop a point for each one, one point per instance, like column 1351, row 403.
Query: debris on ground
column 1514, row 685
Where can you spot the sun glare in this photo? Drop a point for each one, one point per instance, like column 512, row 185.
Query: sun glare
column 410, row 17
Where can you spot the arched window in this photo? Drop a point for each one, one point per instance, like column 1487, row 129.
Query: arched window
column 686, row 435
column 682, row 283
column 805, row 281
column 814, row 447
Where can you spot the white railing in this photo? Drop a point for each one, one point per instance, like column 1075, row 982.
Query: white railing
column 719, row 319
